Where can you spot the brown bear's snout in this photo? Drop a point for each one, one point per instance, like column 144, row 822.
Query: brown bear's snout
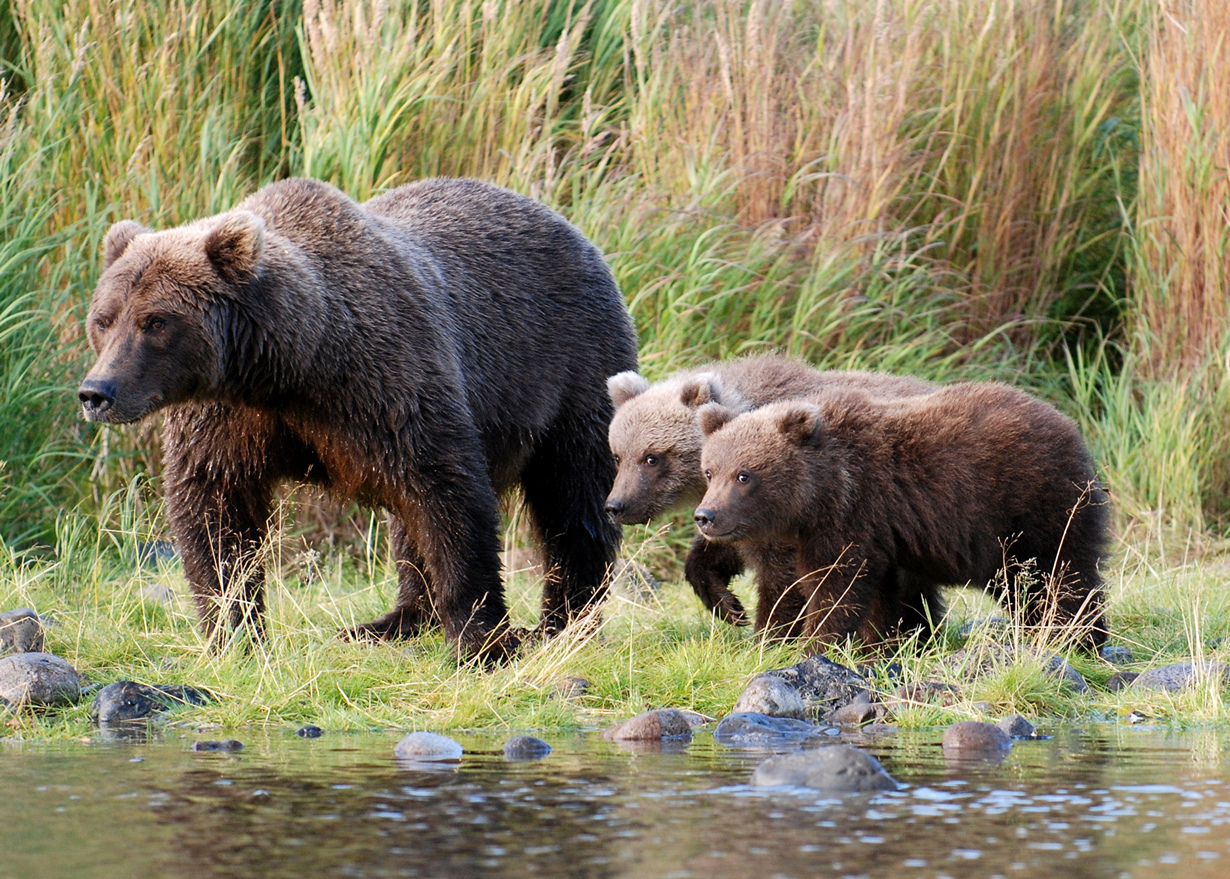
column 96, row 396
column 705, row 518
column 615, row 508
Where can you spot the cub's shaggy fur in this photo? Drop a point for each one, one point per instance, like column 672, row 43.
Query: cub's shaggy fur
column 424, row 351
column 977, row 483
column 656, row 441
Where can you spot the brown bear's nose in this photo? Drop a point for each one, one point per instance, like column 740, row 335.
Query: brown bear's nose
column 704, row 518
column 96, row 395
column 615, row 509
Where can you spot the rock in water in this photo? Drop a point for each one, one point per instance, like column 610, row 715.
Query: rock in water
column 653, row 726
column 21, row 631
column 426, row 747
column 522, row 748
column 750, row 729
column 769, row 695
column 975, row 736
column 1017, row 727
column 834, row 768
column 38, row 679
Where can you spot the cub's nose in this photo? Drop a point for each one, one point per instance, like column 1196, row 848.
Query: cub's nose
column 704, row 518
column 615, row 509
column 96, row 395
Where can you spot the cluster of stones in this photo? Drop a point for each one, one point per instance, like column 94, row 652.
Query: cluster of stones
column 28, row 676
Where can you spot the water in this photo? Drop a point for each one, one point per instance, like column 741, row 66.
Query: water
column 1105, row 800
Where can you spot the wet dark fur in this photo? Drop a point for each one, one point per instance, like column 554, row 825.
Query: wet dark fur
column 426, row 351
column 656, row 440
column 972, row 483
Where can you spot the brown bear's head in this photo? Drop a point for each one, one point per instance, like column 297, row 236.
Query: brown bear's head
column 656, row 443
column 765, row 469
column 156, row 318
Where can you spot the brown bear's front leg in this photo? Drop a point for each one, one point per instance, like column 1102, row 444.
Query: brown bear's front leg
column 413, row 609
column 218, row 493
column 709, row 568
column 840, row 599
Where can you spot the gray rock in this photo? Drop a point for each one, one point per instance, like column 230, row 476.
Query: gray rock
column 1172, row 678
column 834, row 768
column 770, row 695
column 309, row 731
column 977, row 660
column 126, row 701
column 227, row 745
column 522, row 748
column 821, row 684
column 1121, row 679
column 856, row 713
column 152, row 553
column 21, row 631
column 695, row 718
column 1017, row 727
column 1116, row 655
column 991, row 624
column 976, row 736
column 653, row 726
column 38, row 679
column 750, row 729
column 569, row 688
column 424, row 747
column 928, row 692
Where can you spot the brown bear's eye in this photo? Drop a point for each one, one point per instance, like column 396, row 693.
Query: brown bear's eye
column 650, row 460
column 102, row 323
column 154, row 324
column 744, row 478
column 708, row 474
column 616, row 457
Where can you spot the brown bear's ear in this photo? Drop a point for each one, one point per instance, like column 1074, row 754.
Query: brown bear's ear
column 626, row 385
column 119, row 236
column 713, row 416
column 234, row 248
column 800, row 423
column 701, row 389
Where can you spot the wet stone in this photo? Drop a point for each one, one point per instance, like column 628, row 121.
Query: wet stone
column 226, row 745
column 976, row 736
column 1017, row 727
column 21, row 631
column 1120, row 680
column 1173, row 678
column 309, row 731
column 750, row 729
column 928, row 692
column 695, row 718
column 770, row 695
column 834, row 768
column 854, row 714
column 1116, row 655
column 38, row 679
column 127, row 701
column 427, row 747
column 569, row 688
column 991, row 624
column 523, row 748
column 651, row 726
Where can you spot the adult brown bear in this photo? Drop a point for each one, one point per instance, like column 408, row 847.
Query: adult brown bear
column 424, row 352
column 977, row 483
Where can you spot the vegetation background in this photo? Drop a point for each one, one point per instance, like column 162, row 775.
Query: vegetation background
column 1027, row 190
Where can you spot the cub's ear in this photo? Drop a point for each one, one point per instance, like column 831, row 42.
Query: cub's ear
column 701, row 389
column 234, row 247
column 800, row 423
column 625, row 385
column 119, row 236
column 713, row 416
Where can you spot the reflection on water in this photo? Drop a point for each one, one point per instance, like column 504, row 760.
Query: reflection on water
column 1111, row 801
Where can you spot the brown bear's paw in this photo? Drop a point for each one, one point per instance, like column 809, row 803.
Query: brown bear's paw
column 729, row 609
column 397, row 624
column 493, row 648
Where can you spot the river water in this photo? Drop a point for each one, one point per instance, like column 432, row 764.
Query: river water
column 1100, row 800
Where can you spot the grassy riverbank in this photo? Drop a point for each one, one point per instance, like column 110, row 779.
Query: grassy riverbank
column 1025, row 190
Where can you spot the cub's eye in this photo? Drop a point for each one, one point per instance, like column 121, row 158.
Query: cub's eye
column 154, row 324
column 708, row 475
column 616, row 457
column 744, row 478
column 651, row 460
column 102, row 323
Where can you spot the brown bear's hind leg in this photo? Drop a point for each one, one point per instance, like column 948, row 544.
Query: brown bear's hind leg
column 413, row 609
column 709, row 568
